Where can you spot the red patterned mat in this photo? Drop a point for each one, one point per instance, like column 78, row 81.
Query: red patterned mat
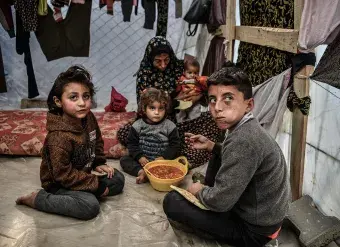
column 24, row 132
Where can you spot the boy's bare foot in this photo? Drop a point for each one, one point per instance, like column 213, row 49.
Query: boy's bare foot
column 27, row 199
column 141, row 178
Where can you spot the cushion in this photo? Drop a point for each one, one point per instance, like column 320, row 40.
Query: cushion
column 24, row 132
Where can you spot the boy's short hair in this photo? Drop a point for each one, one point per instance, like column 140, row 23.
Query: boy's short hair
column 191, row 62
column 230, row 75
column 151, row 95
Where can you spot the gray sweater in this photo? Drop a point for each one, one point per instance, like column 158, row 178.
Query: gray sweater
column 252, row 180
column 153, row 140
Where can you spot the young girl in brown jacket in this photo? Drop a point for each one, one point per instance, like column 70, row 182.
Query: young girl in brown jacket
column 73, row 147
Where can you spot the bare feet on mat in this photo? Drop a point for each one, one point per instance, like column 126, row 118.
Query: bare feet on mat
column 27, row 199
column 141, row 178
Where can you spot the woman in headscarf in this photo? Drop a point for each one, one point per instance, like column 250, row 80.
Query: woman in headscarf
column 160, row 68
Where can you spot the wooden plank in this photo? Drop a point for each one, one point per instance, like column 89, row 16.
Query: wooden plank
column 299, row 121
column 298, row 7
column 278, row 38
column 230, row 29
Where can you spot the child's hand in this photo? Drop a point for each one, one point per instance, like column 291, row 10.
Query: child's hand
column 105, row 168
column 159, row 158
column 106, row 192
column 199, row 142
column 143, row 161
column 195, row 188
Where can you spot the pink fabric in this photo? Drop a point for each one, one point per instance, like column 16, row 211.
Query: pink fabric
column 24, row 132
column 320, row 24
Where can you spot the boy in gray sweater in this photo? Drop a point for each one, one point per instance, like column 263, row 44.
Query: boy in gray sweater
column 246, row 188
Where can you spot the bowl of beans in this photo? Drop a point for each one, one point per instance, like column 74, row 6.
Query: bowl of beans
column 163, row 173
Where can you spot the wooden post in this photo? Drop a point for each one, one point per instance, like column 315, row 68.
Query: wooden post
column 230, row 29
column 299, row 121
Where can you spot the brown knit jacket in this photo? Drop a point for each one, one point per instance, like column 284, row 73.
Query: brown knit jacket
column 69, row 154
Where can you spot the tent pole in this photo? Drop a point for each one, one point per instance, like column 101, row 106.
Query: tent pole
column 299, row 121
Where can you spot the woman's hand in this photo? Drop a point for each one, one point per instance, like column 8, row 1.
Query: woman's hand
column 143, row 161
column 199, row 142
column 189, row 94
column 105, row 168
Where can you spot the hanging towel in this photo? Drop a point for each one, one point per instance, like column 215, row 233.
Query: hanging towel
column 68, row 38
column 320, row 23
column 328, row 69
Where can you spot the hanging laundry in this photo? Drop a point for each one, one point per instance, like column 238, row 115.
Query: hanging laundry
column 3, row 87
column 270, row 99
column 215, row 57
column 298, row 62
column 42, row 7
column 6, row 18
column 68, row 38
column 320, row 24
column 135, row 3
column 108, row 4
column 127, row 9
column 109, row 7
column 162, row 17
column 23, row 47
column 28, row 11
column 262, row 63
column 327, row 70
column 178, row 9
column 150, row 13
column 58, row 4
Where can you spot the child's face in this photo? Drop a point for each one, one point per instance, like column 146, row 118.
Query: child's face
column 227, row 105
column 75, row 100
column 191, row 72
column 155, row 112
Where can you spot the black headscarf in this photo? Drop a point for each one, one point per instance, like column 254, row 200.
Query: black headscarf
column 149, row 76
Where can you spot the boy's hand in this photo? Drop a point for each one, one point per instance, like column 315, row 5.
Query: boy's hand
column 159, row 158
column 105, row 168
column 143, row 161
column 199, row 142
column 195, row 188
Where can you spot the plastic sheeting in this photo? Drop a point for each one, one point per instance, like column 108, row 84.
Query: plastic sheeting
column 133, row 218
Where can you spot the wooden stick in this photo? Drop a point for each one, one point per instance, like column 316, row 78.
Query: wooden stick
column 278, row 38
column 230, row 29
column 299, row 121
